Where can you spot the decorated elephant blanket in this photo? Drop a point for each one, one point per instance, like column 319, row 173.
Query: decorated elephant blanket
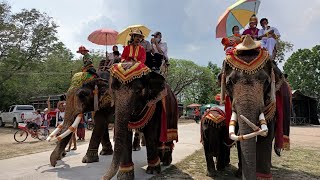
column 214, row 117
column 78, row 79
column 127, row 72
column 169, row 117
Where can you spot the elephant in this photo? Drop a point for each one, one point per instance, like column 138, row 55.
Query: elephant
column 80, row 99
column 214, row 137
column 143, row 100
column 250, row 80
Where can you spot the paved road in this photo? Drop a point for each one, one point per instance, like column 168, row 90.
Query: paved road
column 36, row 166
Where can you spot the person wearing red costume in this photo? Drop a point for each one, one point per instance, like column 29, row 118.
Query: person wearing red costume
column 134, row 51
column 253, row 30
column 232, row 41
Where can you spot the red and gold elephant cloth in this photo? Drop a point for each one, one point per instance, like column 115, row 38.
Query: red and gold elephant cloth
column 169, row 116
column 215, row 117
column 127, row 72
column 247, row 67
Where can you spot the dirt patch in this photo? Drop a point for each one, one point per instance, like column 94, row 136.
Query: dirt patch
column 294, row 164
column 301, row 162
column 10, row 148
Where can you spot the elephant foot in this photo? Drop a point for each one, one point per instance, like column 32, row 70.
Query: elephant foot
column 277, row 151
column 211, row 173
column 238, row 173
column 167, row 158
column 136, row 148
column 220, row 168
column 125, row 175
column 126, row 171
column 91, row 156
column 106, row 152
column 153, row 169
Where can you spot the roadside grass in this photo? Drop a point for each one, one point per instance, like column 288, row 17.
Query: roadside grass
column 299, row 163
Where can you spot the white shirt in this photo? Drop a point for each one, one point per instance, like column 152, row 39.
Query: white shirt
column 264, row 31
column 163, row 47
column 59, row 114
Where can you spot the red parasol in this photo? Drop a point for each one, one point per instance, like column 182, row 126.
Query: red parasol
column 103, row 37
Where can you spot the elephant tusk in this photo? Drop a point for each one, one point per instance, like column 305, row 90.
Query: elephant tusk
column 263, row 124
column 253, row 126
column 232, row 124
column 55, row 132
column 71, row 128
column 234, row 116
column 247, row 136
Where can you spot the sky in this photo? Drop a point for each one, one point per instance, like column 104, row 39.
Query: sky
column 188, row 26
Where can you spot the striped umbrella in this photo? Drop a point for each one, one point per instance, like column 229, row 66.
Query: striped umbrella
column 236, row 15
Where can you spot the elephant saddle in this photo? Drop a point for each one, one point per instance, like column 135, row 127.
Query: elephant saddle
column 78, row 79
column 127, row 72
column 214, row 116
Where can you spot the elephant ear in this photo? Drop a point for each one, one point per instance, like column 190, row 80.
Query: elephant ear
column 155, row 84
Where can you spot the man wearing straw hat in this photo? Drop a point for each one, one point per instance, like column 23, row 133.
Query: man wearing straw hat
column 134, row 51
column 87, row 61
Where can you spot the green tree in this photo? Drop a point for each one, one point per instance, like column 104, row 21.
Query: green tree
column 303, row 69
column 283, row 47
column 181, row 74
column 26, row 39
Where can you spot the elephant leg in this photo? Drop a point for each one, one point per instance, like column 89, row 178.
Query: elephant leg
column 105, row 142
column 211, row 169
column 126, row 170
column 221, row 159
column 152, row 134
column 166, row 154
column 59, row 151
column 143, row 139
column 239, row 171
column 136, row 141
column 96, row 137
column 264, row 153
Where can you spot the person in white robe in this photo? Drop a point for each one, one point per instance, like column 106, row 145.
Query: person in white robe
column 269, row 36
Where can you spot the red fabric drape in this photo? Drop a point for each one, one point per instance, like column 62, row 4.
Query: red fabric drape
column 279, row 121
column 163, row 133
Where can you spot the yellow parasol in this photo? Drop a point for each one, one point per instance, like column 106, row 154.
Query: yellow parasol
column 124, row 36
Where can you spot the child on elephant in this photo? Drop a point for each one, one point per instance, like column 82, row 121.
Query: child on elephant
column 87, row 61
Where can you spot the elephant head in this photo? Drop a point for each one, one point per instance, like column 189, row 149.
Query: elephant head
column 85, row 91
column 250, row 79
column 132, row 88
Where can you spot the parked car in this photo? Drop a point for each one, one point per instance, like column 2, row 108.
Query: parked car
column 16, row 114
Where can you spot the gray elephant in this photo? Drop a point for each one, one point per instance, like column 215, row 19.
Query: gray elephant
column 214, row 137
column 142, row 101
column 251, row 80
column 86, row 92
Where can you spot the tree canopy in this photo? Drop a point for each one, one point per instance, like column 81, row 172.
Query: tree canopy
column 303, row 69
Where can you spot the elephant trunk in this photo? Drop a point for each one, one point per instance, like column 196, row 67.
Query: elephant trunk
column 251, row 108
column 120, row 144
